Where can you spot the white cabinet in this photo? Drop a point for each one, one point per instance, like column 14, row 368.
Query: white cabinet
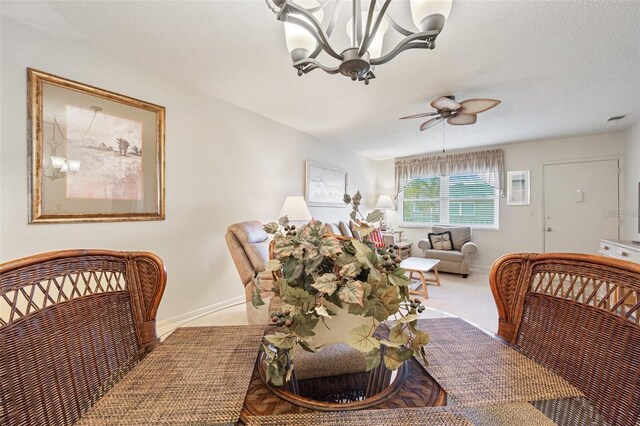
column 620, row 249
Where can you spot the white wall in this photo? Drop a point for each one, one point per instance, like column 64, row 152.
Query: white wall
column 631, row 172
column 520, row 226
column 224, row 164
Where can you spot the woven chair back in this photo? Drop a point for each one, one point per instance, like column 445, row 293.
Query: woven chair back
column 71, row 324
column 579, row 316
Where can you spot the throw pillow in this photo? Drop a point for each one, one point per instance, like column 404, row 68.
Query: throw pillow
column 441, row 241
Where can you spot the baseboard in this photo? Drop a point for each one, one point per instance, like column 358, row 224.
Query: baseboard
column 480, row 268
column 166, row 326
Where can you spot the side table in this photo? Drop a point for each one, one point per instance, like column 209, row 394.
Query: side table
column 404, row 249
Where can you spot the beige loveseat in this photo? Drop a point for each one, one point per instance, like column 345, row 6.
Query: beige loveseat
column 457, row 260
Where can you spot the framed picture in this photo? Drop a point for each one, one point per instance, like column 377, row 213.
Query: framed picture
column 518, row 188
column 94, row 155
column 325, row 185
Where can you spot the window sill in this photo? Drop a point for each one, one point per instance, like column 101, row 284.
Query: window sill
column 430, row 225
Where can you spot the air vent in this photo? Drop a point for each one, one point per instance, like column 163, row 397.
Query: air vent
column 617, row 117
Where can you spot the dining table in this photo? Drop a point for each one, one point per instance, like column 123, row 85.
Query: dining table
column 208, row 371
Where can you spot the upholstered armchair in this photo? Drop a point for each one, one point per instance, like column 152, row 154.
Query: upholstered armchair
column 249, row 247
column 458, row 259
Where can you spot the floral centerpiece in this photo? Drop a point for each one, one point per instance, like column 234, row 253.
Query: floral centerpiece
column 324, row 280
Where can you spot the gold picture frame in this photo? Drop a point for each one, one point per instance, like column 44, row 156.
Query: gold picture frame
column 94, row 155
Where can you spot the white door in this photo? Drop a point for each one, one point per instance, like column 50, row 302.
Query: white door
column 580, row 205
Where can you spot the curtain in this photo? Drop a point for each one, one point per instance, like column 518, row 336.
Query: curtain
column 488, row 165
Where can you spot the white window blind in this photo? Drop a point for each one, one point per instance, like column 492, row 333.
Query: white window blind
column 463, row 199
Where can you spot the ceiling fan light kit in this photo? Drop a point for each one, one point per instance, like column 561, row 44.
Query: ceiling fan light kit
column 309, row 25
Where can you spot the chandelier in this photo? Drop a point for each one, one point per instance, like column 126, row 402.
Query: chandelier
column 308, row 28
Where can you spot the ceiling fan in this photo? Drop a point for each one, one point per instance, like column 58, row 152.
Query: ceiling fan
column 458, row 114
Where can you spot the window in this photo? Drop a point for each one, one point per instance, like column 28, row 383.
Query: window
column 457, row 200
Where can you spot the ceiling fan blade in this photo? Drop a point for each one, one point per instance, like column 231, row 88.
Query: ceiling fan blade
column 462, row 119
column 424, row 114
column 430, row 123
column 476, row 106
column 445, row 103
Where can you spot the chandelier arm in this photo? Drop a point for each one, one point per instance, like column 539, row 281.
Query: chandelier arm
column 367, row 30
column 312, row 26
column 367, row 42
column 399, row 28
column 335, row 14
column 357, row 24
column 318, row 35
column 310, row 64
column 406, row 44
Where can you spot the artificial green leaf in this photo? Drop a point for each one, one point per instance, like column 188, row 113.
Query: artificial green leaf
column 365, row 230
column 397, row 335
column 352, row 215
column 356, row 199
column 361, row 338
column 420, row 338
column 271, row 228
column 377, row 310
column 305, row 250
column 326, row 283
column 345, row 258
column 297, row 296
column 329, row 246
column 313, row 230
column 375, row 216
column 360, row 248
column 395, row 357
column 355, row 309
column 256, row 299
column 281, row 340
column 352, row 292
column 322, row 311
column 272, row 265
column 351, row 270
column 274, row 375
column 400, row 281
column 390, row 298
column 292, row 269
column 282, row 246
column 303, row 326
column 284, row 220
column 372, row 359
column 374, row 274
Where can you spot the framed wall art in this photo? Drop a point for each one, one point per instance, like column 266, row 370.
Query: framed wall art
column 518, row 188
column 325, row 185
column 94, row 155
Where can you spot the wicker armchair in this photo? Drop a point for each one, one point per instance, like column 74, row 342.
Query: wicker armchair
column 579, row 315
column 71, row 324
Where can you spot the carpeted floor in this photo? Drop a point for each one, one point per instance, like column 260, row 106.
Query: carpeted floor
column 468, row 298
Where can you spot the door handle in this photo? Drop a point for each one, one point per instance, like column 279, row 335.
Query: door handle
column 547, row 229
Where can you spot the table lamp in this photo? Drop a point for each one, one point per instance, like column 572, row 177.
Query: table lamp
column 384, row 203
column 295, row 208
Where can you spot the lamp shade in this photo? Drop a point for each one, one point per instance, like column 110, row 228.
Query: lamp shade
column 295, row 208
column 385, row 202
column 300, row 42
column 430, row 14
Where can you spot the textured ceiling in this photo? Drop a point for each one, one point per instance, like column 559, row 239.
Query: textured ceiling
column 561, row 68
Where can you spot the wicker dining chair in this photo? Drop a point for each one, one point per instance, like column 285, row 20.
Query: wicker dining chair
column 579, row 315
column 71, row 324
